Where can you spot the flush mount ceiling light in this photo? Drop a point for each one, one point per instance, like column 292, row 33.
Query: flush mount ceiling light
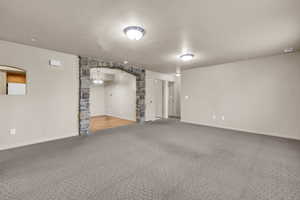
column 186, row 57
column 134, row 32
column 288, row 50
column 98, row 82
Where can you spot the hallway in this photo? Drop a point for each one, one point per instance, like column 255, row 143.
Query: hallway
column 99, row 123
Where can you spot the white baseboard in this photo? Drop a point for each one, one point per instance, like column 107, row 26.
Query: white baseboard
column 242, row 130
column 6, row 147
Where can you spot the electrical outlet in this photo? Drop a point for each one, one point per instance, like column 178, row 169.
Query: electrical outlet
column 12, row 131
column 223, row 117
column 186, row 97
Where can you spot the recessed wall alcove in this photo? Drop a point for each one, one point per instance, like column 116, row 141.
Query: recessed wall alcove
column 86, row 63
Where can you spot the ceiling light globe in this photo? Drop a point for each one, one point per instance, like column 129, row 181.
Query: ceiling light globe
column 98, row 82
column 187, row 57
column 134, row 32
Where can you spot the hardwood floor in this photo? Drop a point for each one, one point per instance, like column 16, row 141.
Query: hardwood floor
column 105, row 122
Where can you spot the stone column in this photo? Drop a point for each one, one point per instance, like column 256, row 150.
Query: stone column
column 140, row 97
column 84, row 97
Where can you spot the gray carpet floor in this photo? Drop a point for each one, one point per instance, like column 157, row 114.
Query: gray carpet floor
column 161, row 161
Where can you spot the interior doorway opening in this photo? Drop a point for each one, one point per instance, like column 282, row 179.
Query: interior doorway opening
column 174, row 99
column 112, row 99
column 162, row 97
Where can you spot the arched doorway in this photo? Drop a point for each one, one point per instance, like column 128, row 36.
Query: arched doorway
column 85, row 65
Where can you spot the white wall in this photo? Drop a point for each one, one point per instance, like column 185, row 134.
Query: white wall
column 158, row 98
column 49, row 110
column 120, row 96
column 172, row 100
column 177, row 95
column 259, row 95
column 166, row 99
column 150, row 98
column 2, row 83
column 160, row 76
column 97, row 103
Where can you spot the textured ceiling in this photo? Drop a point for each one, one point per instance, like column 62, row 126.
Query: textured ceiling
column 215, row 31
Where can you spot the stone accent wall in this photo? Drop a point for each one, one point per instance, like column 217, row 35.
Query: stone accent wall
column 86, row 63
